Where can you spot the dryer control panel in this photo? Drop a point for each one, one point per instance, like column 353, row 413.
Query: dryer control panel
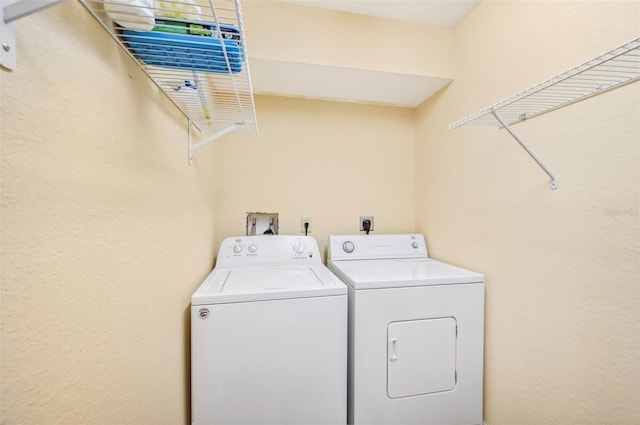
column 264, row 250
column 369, row 247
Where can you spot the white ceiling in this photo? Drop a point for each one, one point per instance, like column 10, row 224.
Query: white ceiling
column 359, row 85
column 439, row 13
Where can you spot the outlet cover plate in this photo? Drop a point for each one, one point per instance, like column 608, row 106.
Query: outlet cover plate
column 304, row 220
column 362, row 219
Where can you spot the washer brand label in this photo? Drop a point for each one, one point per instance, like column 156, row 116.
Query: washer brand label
column 204, row 313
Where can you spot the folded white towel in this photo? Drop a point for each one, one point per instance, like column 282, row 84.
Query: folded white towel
column 131, row 14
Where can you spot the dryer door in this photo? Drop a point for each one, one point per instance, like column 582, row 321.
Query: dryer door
column 421, row 357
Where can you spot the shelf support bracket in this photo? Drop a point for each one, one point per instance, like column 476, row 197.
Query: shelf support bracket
column 193, row 148
column 554, row 181
column 8, row 15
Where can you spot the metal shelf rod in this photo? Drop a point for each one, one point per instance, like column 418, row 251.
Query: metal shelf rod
column 554, row 181
column 23, row 8
column 9, row 14
column 214, row 137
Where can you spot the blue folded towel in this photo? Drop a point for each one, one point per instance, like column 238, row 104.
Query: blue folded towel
column 190, row 45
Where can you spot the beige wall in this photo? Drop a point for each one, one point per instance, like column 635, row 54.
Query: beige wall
column 106, row 229
column 330, row 161
column 562, row 267
column 106, row 232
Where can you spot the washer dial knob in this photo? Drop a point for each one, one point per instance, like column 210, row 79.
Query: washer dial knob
column 414, row 244
column 253, row 248
column 348, row 247
column 298, row 247
column 237, row 249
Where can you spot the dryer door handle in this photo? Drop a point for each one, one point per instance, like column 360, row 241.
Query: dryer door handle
column 393, row 349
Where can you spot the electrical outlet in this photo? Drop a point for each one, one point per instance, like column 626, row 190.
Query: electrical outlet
column 303, row 221
column 362, row 220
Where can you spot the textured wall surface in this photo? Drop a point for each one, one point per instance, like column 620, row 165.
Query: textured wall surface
column 106, row 232
column 330, row 161
column 563, row 266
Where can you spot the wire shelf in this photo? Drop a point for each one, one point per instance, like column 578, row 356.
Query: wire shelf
column 613, row 69
column 194, row 52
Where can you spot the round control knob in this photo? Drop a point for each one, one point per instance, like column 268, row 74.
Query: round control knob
column 253, row 248
column 237, row 249
column 348, row 247
column 414, row 244
column 298, row 247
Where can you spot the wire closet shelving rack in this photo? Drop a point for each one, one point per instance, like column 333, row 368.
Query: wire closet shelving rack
column 207, row 76
column 615, row 68
column 194, row 51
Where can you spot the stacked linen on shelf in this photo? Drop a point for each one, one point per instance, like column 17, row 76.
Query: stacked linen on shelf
column 140, row 14
column 170, row 35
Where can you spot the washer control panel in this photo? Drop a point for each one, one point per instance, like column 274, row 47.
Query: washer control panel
column 362, row 247
column 268, row 250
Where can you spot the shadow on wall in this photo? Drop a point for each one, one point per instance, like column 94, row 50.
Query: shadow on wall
column 187, row 364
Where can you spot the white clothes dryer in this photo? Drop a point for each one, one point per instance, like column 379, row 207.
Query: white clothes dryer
column 416, row 330
column 269, row 336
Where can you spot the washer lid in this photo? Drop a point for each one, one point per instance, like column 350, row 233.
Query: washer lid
column 396, row 273
column 267, row 283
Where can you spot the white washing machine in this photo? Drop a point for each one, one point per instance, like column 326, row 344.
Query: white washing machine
column 269, row 336
column 416, row 330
